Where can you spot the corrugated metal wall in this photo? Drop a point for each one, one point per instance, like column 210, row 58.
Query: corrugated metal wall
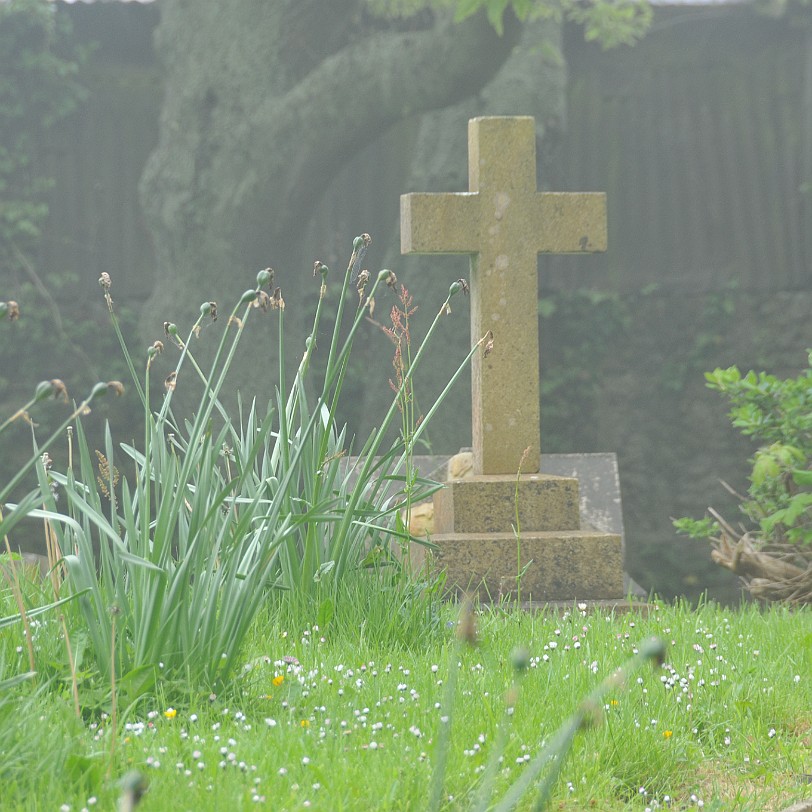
column 700, row 135
column 97, row 155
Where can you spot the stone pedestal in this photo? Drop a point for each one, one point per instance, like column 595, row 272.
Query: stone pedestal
column 474, row 528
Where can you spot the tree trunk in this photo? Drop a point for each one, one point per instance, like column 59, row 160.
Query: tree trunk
column 265, row 102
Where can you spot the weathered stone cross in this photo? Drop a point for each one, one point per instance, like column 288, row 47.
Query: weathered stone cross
column 504, row 222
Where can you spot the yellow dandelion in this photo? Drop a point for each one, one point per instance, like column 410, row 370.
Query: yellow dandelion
column 170, row 713
column 278, row 680
column 667, row 734
column 305, row 723
column 614, row 702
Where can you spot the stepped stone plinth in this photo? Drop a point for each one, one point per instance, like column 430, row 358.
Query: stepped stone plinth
column 482, row 547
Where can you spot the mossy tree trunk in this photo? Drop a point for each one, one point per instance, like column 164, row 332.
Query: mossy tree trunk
column 264, row 103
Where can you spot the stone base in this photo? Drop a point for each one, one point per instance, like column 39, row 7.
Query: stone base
column 490, row 504
column 569, row 565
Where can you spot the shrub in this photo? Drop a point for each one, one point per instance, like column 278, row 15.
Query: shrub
column 774, row 553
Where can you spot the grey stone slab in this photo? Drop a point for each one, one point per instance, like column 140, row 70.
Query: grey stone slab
column 599, row 487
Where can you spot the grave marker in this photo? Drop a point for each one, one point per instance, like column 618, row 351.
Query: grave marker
column 503, row 222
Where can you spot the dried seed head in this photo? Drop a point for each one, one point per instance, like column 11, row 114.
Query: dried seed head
column 277, row 302
column 209, row 308
column 171, row 381
column 265, row 277
column 456, row 287
column 46, row 460
column 320, row 268
column 171, row 329
column 391, row 279
column 156, row 349
column 47, row 389
column 105, row 281
column 263, row 301
column 98, row 390
column 116, row 387
column 466, row 629
column 488, row 346
column 106, row 475
column 10, row 309
column 361, row 283
column 60, row 390
column 362, row 241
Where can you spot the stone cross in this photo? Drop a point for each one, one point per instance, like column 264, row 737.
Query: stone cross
column 504, row 222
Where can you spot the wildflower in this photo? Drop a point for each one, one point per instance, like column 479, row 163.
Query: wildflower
column 170, row 713
column 278, row 680
column 667, row 734
column 305, row 723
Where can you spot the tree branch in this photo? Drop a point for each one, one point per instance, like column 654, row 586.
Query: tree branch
column 356, row 95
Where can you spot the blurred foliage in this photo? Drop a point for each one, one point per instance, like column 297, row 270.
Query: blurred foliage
column 609, row 22
column 38, row 88
column 581, row 325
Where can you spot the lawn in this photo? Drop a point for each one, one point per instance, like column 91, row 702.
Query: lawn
column 228, row 621
column 344, row 718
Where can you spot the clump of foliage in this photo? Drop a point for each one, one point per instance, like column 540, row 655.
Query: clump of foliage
column 773, row 552
column 170, row 546
column 610, row 23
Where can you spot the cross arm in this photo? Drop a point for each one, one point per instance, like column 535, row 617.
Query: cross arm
column 569, row 222
column 443, row 223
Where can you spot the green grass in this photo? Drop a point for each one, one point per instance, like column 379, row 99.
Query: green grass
column 230, row 621
column 350, row 720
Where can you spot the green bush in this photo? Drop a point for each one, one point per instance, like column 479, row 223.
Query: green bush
column 777, row 413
